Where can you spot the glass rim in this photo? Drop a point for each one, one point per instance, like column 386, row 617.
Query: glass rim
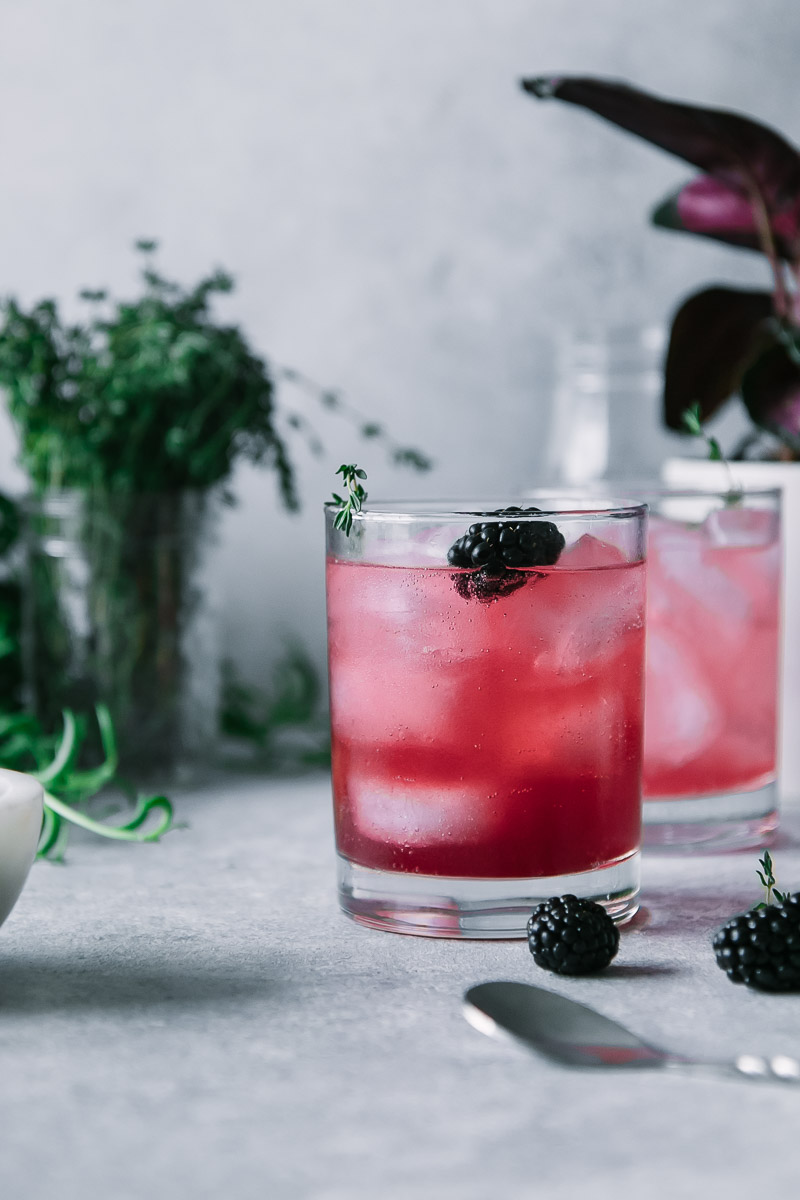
column 449, row 510
column 623, row 493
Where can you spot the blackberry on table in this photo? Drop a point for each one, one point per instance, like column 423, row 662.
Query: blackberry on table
column 572, row 936
column 494, row 550
column 761, row 948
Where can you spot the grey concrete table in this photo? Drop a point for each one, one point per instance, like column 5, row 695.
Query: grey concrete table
column 196, row 1019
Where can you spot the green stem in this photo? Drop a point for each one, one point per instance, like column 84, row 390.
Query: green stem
column 121, row 833
column 764, row 228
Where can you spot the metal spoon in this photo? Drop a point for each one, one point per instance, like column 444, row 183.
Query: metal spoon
column 578, row 1036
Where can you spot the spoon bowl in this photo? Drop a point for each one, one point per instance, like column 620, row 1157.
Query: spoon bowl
column 576, row 1035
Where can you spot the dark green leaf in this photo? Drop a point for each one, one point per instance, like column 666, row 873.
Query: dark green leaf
column 771, row 392
column 714, row 336
column 711, row 209
column 741, row 153
column 406, row 456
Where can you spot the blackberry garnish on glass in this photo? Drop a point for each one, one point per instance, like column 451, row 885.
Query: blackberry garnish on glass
column 499, row 555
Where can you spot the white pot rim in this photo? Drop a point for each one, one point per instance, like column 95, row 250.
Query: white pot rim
column 18, row 788
column 707, row 466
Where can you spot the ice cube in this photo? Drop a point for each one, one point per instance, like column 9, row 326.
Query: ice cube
column 681, row 568
column 589, row 552
column 682, row 718
column 407, row 814
column 736, row 526
column 377, row 699
column 568, row 730
column 583, row 615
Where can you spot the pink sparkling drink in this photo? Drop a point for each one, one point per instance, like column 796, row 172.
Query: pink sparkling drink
column 486, row 751
column 713, row 626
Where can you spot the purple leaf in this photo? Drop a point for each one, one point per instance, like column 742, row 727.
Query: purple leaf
column 743, row 154
column 715, row 335
column 771, row 391
column 710, row 208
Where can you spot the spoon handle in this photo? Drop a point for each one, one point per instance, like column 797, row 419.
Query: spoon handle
column 780, row 1068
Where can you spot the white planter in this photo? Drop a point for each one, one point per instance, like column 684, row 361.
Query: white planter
column 21, row 805
column 700, row 473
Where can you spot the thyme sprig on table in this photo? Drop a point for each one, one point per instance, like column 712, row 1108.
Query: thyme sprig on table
column 354, row 499
column 768, row 880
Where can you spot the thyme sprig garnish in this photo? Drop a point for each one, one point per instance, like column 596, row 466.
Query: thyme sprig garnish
column 767, row 877
column 353, row 500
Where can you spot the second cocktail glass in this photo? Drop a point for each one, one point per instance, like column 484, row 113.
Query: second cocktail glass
column 710, row 764
column 486, row 675
column 713, row 642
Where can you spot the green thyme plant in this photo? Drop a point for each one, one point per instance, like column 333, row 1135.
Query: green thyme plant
column 148, row 396
column 141, row 413
column 151, row 395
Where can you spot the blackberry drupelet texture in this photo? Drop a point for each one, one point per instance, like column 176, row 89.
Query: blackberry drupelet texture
column 761, row 948
column 493, row 549
column 572, row 936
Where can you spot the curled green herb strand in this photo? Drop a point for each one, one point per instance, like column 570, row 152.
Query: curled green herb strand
column 59, row 775
column 354, row 497
column 65, row 752
column 767, row 877
column 692, row 421
column 130, row 831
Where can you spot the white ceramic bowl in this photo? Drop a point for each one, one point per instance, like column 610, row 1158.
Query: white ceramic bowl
column 21, row 806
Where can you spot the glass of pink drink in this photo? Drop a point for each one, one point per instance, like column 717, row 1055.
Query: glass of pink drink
column 486, row 718
column 713, row 624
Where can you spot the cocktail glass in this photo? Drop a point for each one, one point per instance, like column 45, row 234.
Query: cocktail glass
column 713, row 637
column 486, row 719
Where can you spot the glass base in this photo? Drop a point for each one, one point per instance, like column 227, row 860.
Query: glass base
column 704, row 824
column 437, row 906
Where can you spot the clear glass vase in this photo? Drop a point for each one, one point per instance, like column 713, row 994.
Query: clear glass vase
column 118, row 611
column 606, row 416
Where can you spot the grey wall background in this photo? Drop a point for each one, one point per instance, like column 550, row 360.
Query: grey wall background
column 403, row 223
